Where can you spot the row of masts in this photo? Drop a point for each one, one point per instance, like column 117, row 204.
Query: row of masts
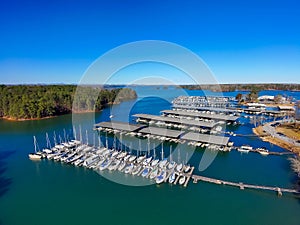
column 66, row 138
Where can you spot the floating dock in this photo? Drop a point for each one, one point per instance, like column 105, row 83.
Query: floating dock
column 243, row 186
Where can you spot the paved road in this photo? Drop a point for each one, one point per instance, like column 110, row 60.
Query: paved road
column 271, row 130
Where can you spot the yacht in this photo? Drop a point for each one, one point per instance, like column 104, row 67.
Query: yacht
column 154, row 162
column 132, row 158
column 105, row 164
column 161, row 177
column 244, row 148
column 172, row 178
column 121, row 155
column 115, row 153
column 136, row 169
column 128, row 168
column 186, row 168
column 179, row 167
column 35, row 155
column 122, row 166
column 182, row 180
column 114, row 165
column 147, row 161
column 140, row 158
column 154, row 173
column 145, row 172
column 171, row 165
column 163, row 163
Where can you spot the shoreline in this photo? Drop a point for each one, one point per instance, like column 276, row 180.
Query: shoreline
column 276, row 141
column 47, row 117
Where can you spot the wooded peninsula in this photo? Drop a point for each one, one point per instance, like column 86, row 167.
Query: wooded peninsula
column 20, row 102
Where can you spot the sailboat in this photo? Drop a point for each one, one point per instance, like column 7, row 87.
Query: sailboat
column 35, row 155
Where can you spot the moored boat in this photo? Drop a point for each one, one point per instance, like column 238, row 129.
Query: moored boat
column 145, row 172
column 161, row 177
column 172, row 177
column 182, row 180
column 35, row 155
column 263, row 151
column 179, row 167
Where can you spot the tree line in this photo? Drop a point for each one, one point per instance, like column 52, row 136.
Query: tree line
column 39, row 101
column 243, row 87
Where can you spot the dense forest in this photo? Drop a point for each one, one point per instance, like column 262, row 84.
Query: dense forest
column 39, row 101
column 244, row 87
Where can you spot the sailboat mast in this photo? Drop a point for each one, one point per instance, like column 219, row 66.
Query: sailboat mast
column 74, row 132
column 86, row 137
column 80, row 134
column 106, row 140
column 34, row 142
column 162, row 151
column 94, row 140
column 54, row 137
column 65, row 136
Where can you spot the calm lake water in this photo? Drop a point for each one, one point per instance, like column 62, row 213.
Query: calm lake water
column 51, row 193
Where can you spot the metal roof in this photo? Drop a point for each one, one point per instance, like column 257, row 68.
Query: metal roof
column 177, row 120
column 206, row 138
column 283, row 107
column 161, row 132
column 120, row 126
column 201, row 115
column 205, row 108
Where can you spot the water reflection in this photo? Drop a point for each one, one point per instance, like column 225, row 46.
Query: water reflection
column 5, row 182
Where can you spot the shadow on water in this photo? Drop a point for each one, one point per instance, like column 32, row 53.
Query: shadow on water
column 4, row 181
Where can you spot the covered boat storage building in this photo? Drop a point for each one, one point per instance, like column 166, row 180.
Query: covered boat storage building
column 216, row 117
column 161, row 132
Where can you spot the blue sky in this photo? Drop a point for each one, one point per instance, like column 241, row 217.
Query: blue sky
column 241, row 41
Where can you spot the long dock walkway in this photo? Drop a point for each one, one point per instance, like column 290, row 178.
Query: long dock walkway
column 269, row 153
column 242, row 186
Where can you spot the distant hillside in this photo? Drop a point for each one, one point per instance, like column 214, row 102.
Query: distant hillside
column 244, row 87
column 39, row 101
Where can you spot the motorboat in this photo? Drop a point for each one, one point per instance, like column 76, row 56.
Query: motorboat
column 245, row 148
column 263, row 151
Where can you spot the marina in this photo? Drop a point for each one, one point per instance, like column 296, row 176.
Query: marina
column 159, row 171
column 103, row 158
